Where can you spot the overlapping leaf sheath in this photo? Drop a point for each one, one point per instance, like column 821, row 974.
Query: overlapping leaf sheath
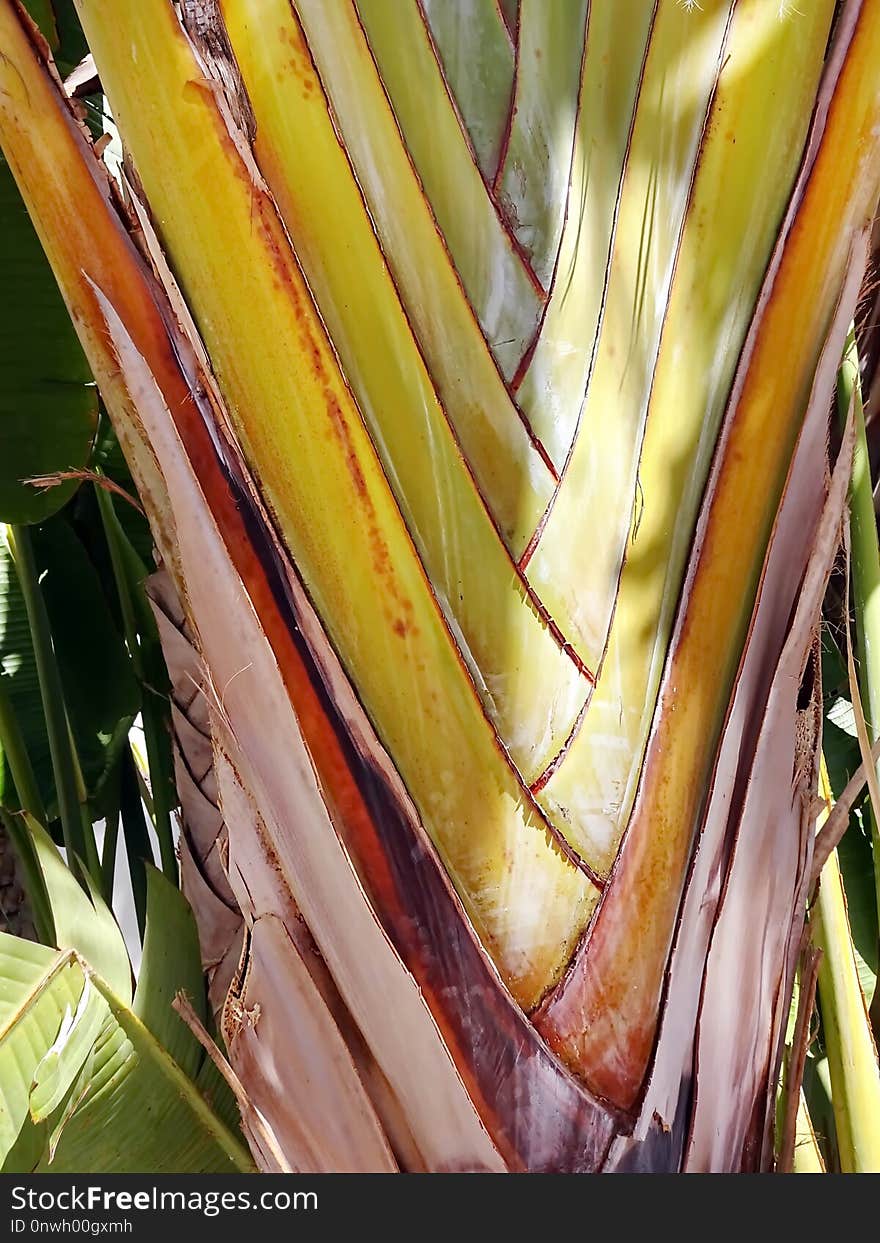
column 266, row 976
column 104, row 280
column 741, row 183
column 486, row 1033
column 529, row 684
column 204, row 844
column 425, row 419
column 303, row 436
column 827, row 223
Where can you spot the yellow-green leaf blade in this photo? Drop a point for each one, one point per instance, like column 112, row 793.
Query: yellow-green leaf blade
column 552, row 379
column 304, row 437
column 500, row 286
column 742, row 185
column 533, row 179
column 476, row 52
column 530, row 687
column 511, row 472
column 576, row 563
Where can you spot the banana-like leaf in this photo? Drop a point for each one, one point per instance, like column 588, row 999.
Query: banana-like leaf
column 48, row 403
column 38, row 987
column 101, row 694
column 65, row 1035
column 59, row 26
column 81, row 923
column 90, row 1079
column 170, row 964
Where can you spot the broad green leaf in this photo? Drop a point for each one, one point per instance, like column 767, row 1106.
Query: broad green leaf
column 48, row 405
column 24, row 1155
column 171, row 963
column 128, row 1106
column 59, row 26
column 71, row 40
column 20, row 683
column 216, row 1091
column 42, row 11
column 841, row 753
column 38, row 986
column 142, row 1113
column 61, row 1063
column 100, row 689
column 80, row 924
column 101, row 694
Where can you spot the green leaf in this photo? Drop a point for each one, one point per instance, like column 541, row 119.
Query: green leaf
column 171, row 963
column 147, row 1116
column 857, row 868
column 216, row 1091
column 841, row 755
column 72, row 46
column 21, row 686
column 48, row 405
column 128, row 1108
column 60, row 1065
column 82, row 925
column 43, row 14
column 111, row 460
column 100, row 690
column 37, row 987
column 61, row 29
